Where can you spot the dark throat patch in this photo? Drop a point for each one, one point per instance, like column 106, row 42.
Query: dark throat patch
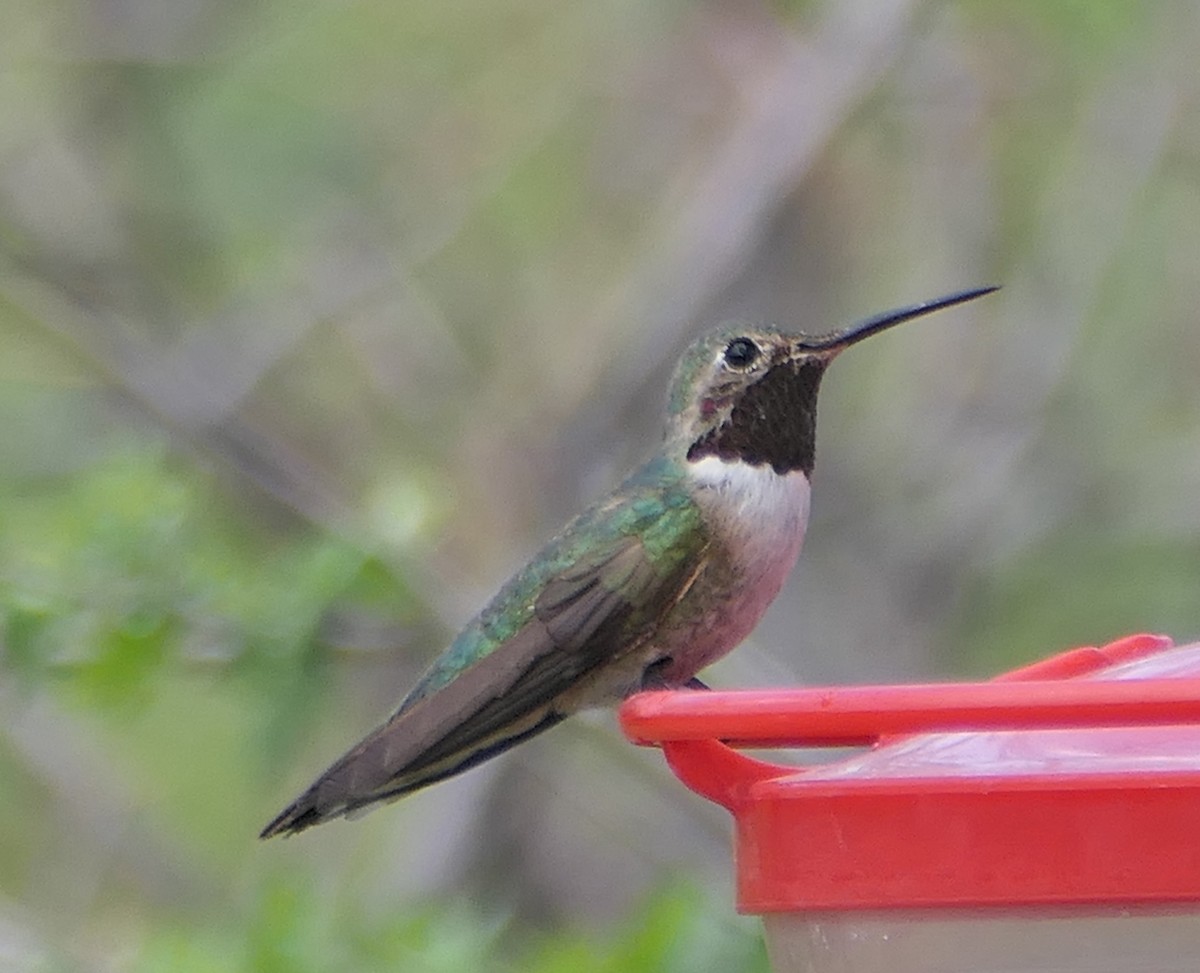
column 773, row 422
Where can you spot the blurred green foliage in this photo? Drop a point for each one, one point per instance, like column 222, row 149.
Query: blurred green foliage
column 289, row 932
column 315, row 318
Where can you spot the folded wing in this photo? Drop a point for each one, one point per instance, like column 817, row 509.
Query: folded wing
column 600, row 606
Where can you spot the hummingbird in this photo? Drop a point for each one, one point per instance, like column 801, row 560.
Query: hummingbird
column 642, row 590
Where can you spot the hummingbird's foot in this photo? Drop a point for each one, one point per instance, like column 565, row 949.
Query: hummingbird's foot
column 654, row 678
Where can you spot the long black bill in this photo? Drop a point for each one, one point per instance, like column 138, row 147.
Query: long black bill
column 881, row 322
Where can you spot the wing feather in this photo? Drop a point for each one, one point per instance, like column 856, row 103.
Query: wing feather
column 599, row 606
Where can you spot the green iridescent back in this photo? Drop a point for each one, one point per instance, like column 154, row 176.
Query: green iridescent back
column 655, row 507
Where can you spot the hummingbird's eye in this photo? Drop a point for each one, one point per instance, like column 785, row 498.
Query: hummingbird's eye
column 741, row 353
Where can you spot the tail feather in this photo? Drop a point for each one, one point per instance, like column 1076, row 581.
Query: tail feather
column 334, row 795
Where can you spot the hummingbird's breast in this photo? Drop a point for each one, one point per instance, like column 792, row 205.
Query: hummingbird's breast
column 757, row 518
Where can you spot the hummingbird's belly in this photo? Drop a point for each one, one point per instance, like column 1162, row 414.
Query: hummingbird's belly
column 758, row 518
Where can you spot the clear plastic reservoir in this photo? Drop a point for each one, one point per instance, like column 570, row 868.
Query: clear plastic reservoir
column 1093, row 939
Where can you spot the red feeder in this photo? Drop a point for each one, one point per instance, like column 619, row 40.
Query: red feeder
column 1047, row 820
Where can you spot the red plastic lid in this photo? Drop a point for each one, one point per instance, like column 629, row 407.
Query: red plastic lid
column 1075, row 780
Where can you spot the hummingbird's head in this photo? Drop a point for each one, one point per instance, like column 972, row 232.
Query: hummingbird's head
column 750, row 394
